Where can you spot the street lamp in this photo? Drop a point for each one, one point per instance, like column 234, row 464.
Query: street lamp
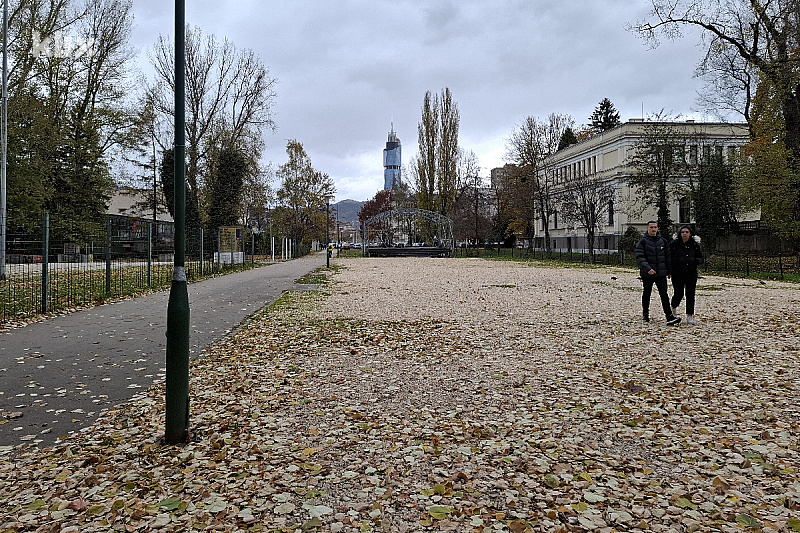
column 327, row 231
column 177, row 375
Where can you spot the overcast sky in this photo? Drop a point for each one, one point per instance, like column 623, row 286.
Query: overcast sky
column 349, row 69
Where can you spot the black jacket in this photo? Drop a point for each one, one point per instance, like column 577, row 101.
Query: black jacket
column 653, row 253
column 686, row 257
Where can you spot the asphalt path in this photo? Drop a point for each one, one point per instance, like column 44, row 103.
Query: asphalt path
column 58, row 375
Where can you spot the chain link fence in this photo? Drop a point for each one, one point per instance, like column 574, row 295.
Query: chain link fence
column 62, row 266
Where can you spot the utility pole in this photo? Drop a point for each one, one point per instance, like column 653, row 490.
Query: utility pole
column 177, row 382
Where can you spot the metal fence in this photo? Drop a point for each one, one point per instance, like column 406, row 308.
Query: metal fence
column 62, row 266
column 778, row 266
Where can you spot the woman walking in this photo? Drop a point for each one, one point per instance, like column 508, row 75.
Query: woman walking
column 686, row 257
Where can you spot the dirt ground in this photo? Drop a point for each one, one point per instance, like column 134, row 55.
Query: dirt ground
column 455, row 395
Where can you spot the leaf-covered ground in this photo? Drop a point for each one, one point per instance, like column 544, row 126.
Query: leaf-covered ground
column 455, row 395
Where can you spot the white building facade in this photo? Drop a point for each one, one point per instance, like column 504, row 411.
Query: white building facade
column 608, row 157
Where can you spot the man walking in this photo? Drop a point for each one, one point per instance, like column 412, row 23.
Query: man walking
column 653, row 257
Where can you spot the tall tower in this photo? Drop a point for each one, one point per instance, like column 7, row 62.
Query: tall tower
column 391, row 162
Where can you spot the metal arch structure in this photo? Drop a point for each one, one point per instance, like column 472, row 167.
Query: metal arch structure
column 402, row 222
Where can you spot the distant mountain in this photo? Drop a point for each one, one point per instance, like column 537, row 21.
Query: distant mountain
column 348, row 210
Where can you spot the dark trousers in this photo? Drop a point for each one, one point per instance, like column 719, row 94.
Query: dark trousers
column 661, row 284
column 687, row 285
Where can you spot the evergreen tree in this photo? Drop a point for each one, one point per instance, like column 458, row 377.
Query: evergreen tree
column 227, row 181
column 568, row 138
column 167, row 173
column 714, row 201
column 605, row 116
column 630, row 239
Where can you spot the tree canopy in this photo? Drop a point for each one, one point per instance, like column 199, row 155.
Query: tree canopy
column 751, row 61
column 303, row 195
column 605, row 116
column 436, row 166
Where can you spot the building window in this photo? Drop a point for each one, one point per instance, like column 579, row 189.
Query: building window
column 555, row 219
column 706, row 155
column 605, row 243
column 693, row 154
column 684, row 210
column 610, row 213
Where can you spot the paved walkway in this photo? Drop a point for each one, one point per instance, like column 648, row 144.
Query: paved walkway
column 57, row 375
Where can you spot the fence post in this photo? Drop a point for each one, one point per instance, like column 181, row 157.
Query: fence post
column 202, row 252
column 45, row 262
column 747, row 264
column 780, row 263
column 252, row 248
column 149, row 254
column 219, row 253
column 108, row 256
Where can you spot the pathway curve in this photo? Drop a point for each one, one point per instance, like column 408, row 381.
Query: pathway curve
column 57, row 375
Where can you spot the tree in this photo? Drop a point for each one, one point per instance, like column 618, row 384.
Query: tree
column 382, row 202
column 567, row 139
column 229, row 96
column 424, row 164
column 630, row 239
column 469, row 213
column 748, row 43
column 303, row 194
column 605, row 116
column 763, row 34
column 714, row 201
column 257, row 196
column 436, row 166
column 584, row 200
column 502, row 195
column 227, row 182
column 660, row 167
column 528, row 149
column 766, row 179
column 69, row 118
column 167, row 175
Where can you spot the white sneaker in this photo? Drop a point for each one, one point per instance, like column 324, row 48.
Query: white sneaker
column 690, row 319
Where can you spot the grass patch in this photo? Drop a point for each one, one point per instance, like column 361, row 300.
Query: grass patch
column 618, row 287
column 554, row 263
column 320, row 276
column 710, row 288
